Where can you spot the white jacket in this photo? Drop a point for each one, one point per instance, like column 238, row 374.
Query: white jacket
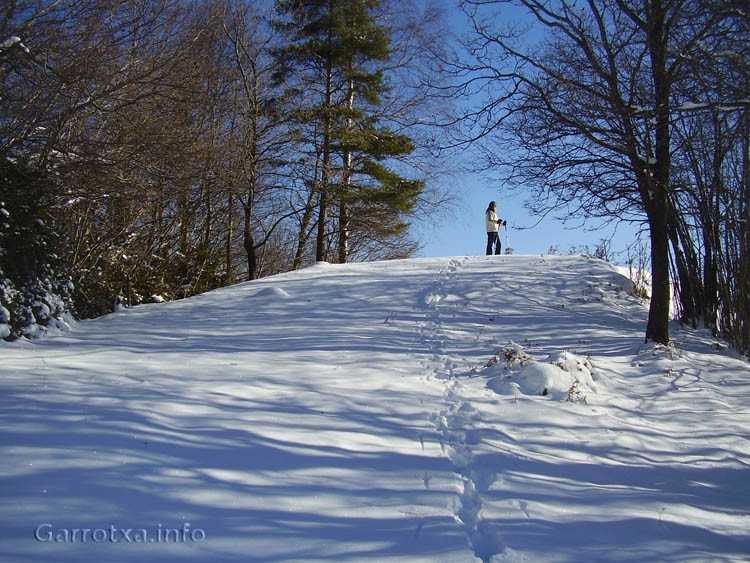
column 491, row 220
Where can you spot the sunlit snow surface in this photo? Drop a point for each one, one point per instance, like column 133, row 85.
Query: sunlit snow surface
column 459, row 409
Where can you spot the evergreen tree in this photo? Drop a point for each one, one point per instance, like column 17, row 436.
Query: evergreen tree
column 34, row 286
column 334, row 57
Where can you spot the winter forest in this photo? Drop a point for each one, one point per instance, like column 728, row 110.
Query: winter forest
column 156, row 149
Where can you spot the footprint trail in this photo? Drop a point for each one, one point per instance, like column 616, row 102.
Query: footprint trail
column 458, row 424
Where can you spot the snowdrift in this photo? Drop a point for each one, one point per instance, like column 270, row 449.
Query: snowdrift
column 458, row 409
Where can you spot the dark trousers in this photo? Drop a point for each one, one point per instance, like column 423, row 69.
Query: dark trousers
column 493, row 238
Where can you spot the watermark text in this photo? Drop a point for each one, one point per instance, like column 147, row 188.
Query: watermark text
column 48, row 533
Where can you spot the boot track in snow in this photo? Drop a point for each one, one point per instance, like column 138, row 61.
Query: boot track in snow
column 456, row 424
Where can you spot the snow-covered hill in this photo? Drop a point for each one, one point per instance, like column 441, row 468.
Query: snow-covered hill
column 458, row 409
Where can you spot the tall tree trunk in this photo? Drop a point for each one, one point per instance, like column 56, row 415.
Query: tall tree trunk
column 657, row 329
column 320, row 240
column 345, row 187
column 325, row 178
column 249, row 242
column 229, row 274
column 742, row 331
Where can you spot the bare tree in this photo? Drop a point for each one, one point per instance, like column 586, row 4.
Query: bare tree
column 585, row 115
column 711, row 178
column 165, row 148
column 261, row 131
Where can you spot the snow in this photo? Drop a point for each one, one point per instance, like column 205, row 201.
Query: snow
column 390, row 411
column 565, row 377
column 11, row 42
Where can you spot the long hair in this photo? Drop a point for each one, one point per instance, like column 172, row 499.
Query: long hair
column 491, row 207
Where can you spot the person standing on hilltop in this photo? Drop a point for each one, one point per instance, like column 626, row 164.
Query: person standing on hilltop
column 493, row 226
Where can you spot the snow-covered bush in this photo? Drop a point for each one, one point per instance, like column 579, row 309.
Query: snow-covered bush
column 562, row 377
column 35, row 292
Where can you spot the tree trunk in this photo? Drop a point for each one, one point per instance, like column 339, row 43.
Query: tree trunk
column 229, row 274
column 325, row 179
column 345, row 187
column 249, row 243
column 657, row 328
column 657, row 200
column 689, row 293
column 742, row 331
column 304, row 234
column 320, row 241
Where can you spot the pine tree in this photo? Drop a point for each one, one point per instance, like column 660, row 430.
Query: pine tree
column 336, row 52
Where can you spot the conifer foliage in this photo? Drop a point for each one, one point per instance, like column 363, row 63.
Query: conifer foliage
column 35, row 289
column 333, row 61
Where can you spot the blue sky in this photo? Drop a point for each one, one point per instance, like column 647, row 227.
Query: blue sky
column 462, row 231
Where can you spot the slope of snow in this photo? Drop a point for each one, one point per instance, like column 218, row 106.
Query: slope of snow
column 460, row 409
